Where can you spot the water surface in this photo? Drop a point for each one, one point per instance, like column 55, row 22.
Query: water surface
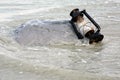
column 64, row 60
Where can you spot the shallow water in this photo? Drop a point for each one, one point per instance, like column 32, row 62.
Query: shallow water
column 66, row 59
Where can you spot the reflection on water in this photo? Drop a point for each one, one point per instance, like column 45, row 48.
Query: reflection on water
column 68, row 60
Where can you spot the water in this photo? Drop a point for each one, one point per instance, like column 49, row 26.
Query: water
column 63, row 59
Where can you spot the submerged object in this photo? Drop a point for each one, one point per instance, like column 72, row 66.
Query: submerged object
column 91, row 35
column 39, row 32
